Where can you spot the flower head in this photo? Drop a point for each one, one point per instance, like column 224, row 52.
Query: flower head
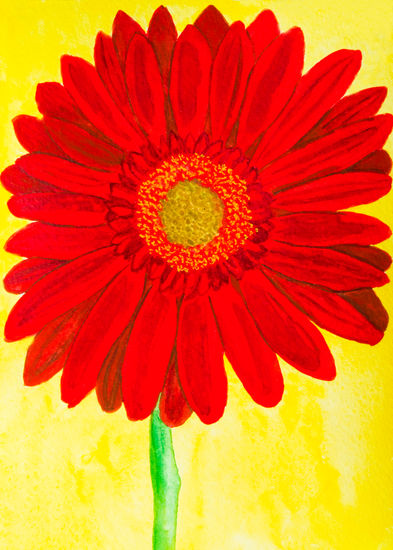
column 187, row 194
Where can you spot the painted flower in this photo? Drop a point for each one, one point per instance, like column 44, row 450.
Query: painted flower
column 188, row 195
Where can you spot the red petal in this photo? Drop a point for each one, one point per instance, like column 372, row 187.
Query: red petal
column 81, row 146
column 67, row 175
column 270, row 85
column 230, row 73
column 109, row 379
column 144, row 85
column 162, row 34
column 16, row 181
column 32, row 135
column 253, row 361
column 359, row 106
column 190, row 82
column 378, row 161
column 124, row 28
column 322, row 266
column 53, row 100
column 369, row 254
column 84, row 85
column 212, row 25
column 335, row 192
column 263, row 30
column 286, row 330
column 59, row 208
column 106, row 321
column 148, row 353
column 200, row 359
column 329, row 154
column 348, row 110
column 331, row 312
column 174, row 409
column 24, row 274
column 61, row 243
column 328, row 229
column 62, row 290
column 317, row 91
column 109, row 68
column 48, row 352
column 368, row 304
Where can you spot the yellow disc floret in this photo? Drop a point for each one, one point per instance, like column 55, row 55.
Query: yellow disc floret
column 191, row 214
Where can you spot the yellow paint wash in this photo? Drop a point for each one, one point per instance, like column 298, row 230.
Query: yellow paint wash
column 315, row 473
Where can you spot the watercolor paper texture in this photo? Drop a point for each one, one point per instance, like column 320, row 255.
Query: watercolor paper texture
column 314, row 472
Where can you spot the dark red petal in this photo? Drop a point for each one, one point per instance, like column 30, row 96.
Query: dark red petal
column 369, row 254
column 16, row 181
column 61, row 243
column 322, row 266
column 286, row 330
column 190, row 82
column 111, row 73
column 61, row 290
column 82, row 146
column 48, row 352
column 270, row 85
column 109, row 379
column 335, row 192
column 174, row 409
column 331, row 312
column 200, row 360
column 144, row 84
column 33, row 136
column 317, row 91
column 253, row 361
column 67, row 175
column 328, row 229
column 329, row 154
column 369, row 305
column 162, row 34
column 59, row 208
column 212, row 25
column 85, row 86
column 148, row 353
column 53, row 100
column 230, row 73
column 361, row 105
column 24, row 274
column 106, row 321
column 263, row 30
column 123, row 30
column 378, row 161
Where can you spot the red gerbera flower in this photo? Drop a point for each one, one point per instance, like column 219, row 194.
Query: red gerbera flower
column 185, row 194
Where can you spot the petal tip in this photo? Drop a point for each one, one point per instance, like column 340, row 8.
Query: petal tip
column 5, row 177
column 120, row 14
column 209, row 418
column 327, row 371
column 209, row 15
column 10, row 332
column 275, row 399
column 382, row 91
column 377, row 337
column 161, row 10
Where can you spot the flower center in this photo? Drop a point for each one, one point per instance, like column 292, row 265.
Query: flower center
column 191, row 214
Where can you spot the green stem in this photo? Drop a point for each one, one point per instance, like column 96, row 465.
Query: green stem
column 166, row 484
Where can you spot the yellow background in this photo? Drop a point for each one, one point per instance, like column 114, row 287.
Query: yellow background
column 315, row 473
